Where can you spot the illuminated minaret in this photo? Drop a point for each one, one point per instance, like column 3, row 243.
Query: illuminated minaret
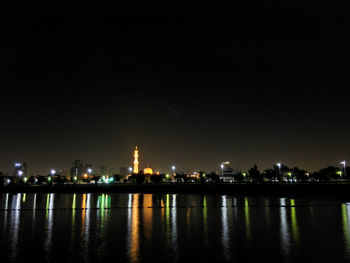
column 136, row 160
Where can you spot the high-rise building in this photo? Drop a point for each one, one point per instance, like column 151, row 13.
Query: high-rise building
column 77, row 169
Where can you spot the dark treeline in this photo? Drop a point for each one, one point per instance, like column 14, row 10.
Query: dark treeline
column 277, row 174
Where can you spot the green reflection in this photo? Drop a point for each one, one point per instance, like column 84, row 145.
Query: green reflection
column 295, row 229
column 205, row 221
column 167, row 210
column 345, row 217
column 108, row 201
column 102, row 211
column 247, row 219
column 73, row 223
column 167, row 215
column 47, row 206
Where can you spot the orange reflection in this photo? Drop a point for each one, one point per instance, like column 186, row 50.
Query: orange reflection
column 135, row 235
column 147, row 216
column 83, row 216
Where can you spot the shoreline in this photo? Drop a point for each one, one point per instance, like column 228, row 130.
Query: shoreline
column 322, row 191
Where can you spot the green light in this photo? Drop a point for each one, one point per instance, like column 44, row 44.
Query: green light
column 49, row 179
column 203, row 175
column 294, row 223
column 25, row 179
column 75, row 178
column 247, row 219
column 244, row 174
column 167, row 175
column 339, row 172
column 290, row 174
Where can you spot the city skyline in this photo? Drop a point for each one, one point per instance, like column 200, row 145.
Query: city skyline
column 144, row 164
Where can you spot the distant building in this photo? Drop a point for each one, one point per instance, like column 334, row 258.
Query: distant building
column 227, row 173
column 77, row 169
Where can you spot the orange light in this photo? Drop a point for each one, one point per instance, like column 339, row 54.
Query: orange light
column 148, row 171
column 136, row 160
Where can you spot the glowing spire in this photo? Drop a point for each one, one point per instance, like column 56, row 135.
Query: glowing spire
column 136, row 160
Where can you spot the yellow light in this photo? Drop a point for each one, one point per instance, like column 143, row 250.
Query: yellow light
column 136, row 160
column 148, row 171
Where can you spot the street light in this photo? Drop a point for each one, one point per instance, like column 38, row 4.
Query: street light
column 279, row 167
column 52, row 172
column 20, row 173
column 89, row 170
column 344, row 163
column 222, row 170
column 130, row 170
column 173, row 168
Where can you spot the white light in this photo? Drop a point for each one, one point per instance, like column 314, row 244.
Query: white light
column 279, row 165
column 173, row 167
column 20, row 173
column 17, row 165
column 130, row 169
column 222, row 166
column 8, row 181
column 89, row 170
column 53, row 172
column 343, row 163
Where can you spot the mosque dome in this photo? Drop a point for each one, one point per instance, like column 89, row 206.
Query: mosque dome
column 148, row 171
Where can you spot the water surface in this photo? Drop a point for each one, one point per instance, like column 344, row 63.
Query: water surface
column 171, row 228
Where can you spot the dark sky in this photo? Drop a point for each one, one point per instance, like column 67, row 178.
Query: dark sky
column 248, row 87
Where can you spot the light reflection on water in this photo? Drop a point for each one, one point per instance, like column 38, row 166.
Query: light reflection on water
column 285, row 234
column 225, row 229
column 346, row 225
column 134, row 233
column 137, row 227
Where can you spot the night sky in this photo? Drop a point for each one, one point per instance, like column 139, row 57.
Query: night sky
column 248, row 87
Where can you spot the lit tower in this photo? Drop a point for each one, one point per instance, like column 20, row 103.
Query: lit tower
column 136, row 160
